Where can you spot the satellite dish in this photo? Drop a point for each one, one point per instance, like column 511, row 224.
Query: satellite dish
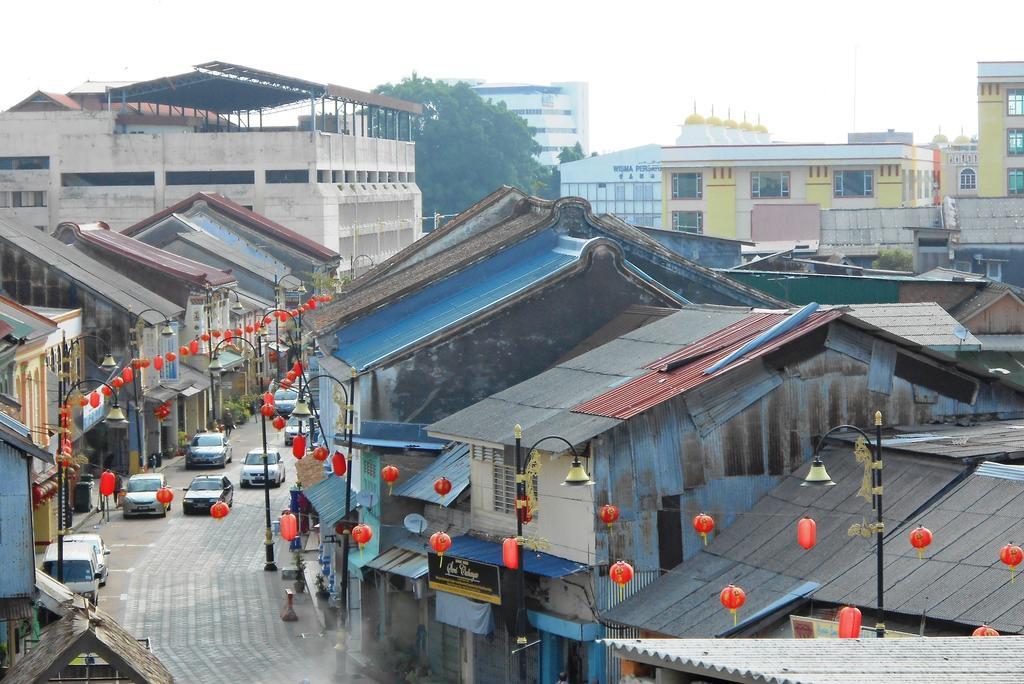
column 415, row 523
column 366, row 499
column 960, row 332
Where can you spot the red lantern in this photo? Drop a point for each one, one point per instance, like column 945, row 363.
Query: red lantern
column 299, row 446
column 286, row 384
column 108, row 481
column 106, row 390
column 228, row 335
column 193, row 347
column 806, row 532
column 136, row 364
column 362, row 534
column 849, row 622
column 249, row 329
column 165, row 495
column 311, row 303
column 294, row 313
column 621, row 573
column 83, row 402
column 289, row 526
column 440, row 542
column 278, row 423
column 215, row 333
column 94, row 399
column 321, row 453
column 219, row 510
column 389, row 474
column 291, row 375
column 266, row 320
column 338, row 464
column 920, row 538
column 158, row 362
column 984, row 630
column 170, row 356
column 442, row 486
column 282, row 316
column 1011, row 555
column 117, row 382
column 238, row 332
column 127, row 374
column 144, row 363
column 704, row 523
column 733, row 598
column 609, row 513
column 510, row 553
column 297, row 368
column 205, row 337
column 267, row 410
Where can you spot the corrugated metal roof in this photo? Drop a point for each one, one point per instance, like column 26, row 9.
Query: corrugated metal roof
column 535, row 562
column 452, row 463
column 936, row 660
column 924, row 323
column 328, row 498
column 400, row 561
column 649, row 390
column 443, row 303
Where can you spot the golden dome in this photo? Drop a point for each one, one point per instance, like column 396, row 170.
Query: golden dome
column 746, row 126
column 731, row 123
column 961, row 140
column 761, row 128
column 714, row 121
column 940, row 139
column 694, row 118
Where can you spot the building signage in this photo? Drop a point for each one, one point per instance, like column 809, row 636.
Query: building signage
column 814, row 628
column 472, row 579
column 651, row 170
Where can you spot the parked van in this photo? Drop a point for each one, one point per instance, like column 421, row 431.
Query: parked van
column 81, row 568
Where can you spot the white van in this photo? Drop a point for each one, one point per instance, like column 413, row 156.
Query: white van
column 81, row 569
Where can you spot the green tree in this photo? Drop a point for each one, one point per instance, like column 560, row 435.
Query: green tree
column 894, row 259
column 465, row 147
column 550, row 187
column 571, row 154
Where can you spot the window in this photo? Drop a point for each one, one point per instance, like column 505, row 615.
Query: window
column 772, row 184
column 1015, row 141
column 288, row 176
column 688, row 221
column 968, row 179
column 24, row 163
column 994, row 270
column 854, row 183
column 504, row 488
column 1015, row 102
column 687, row 186
column 620, row 192
column 1015, row 182
column 127, row 178
column 30, row 198
column 212, row 177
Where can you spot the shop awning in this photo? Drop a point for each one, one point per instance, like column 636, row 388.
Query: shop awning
column 535, row 562
column 16, row 608
column 399, row 561
column 452, row 463
column 328, row 498
column 161, row 394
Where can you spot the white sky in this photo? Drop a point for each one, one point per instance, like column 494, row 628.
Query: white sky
column 790, row 61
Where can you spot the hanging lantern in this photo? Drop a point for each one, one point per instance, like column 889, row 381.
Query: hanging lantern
column 920, row 538
column 294, row 313
column 205, row 337
column 289, row 526
column 282, row 316
column 510, row 553
column 278, row 423
column 983, row 631
column 703, row 524
column 286, row 384
column 297, row 367
column 165, row 495
column 94, row 399
column 440, row 542
column 158, row 362
column 609, row 513
column 267, row 410
column 442, row 486
column 1011, row 555
column 268, row 398
column 219, row 510
column 806, row 532
column 311, row 303
column 108, row 481
column 117, row 382
column 228, row 335
column 136, row 364
column 193, row 347
column 106, row 390
column 338, row 464
column 83, row 402
column 238, row 332
column 266, row 320
column 849, row 622
column 733, row 598
column 144, row 363
column 321, row 453
column 362, row 534
column 291, row 375
column 389, row 474
column 215, row 333
column 250, row 329
column 621, row 573
column 170, row 356
column 183, row 351
column 127, row 374
column 299, row 446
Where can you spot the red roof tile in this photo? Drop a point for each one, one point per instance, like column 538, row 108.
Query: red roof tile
column 669, row 379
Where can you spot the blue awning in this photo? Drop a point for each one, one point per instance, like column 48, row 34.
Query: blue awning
column 328, row 498
column 369, row 442
column 452, row 463
column 399, row 561
column 536, row 562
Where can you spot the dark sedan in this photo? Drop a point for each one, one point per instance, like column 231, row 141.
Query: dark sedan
column 205, row 491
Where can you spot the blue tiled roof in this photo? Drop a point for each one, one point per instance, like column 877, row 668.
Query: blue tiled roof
column 535, row 562
column 328, row 498
column 452, row 463
column 405, row 321
column 391, row 435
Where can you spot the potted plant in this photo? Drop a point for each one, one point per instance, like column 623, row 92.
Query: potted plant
column 300, row 574
column 321, row 586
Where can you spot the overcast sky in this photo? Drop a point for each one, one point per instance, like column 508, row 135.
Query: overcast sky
column 792, row 63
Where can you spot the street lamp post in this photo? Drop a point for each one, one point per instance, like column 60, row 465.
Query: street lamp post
column 269, row 565
column 818, row 476
column 577, row 476
column 279, row 305
column 134, row 350
column 115, row 419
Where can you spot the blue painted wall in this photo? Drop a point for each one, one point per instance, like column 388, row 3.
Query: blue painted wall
column 17, row 559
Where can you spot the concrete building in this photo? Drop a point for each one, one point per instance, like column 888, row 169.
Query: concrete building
column 559, row 114
column 626, row 183
column 121, row 152
column 1000, row 128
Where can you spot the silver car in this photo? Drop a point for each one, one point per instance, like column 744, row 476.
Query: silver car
column 252, row 469
column 208, row 449
column 140, row 495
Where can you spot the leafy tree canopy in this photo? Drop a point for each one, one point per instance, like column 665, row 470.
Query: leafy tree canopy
column 465, row 147
column 894, row 259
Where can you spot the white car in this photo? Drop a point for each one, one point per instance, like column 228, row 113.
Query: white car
column 97, row 544
column 140, row 496
column 81, row 569
column 291, row 429
column 252, row 469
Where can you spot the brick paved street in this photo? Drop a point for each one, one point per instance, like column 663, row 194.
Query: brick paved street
column 196, row 587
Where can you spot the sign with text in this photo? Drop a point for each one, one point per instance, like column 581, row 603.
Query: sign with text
column 472, row 579
column 815, row 628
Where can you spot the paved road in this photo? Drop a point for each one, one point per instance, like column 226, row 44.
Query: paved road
column 197, row 588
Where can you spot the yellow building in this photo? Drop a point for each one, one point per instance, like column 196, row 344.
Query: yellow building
column 1000, row 129
column 716, row 174
column 959, row 177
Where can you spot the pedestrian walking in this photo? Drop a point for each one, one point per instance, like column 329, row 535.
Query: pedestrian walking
column 563, row 678
column 228, row 421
